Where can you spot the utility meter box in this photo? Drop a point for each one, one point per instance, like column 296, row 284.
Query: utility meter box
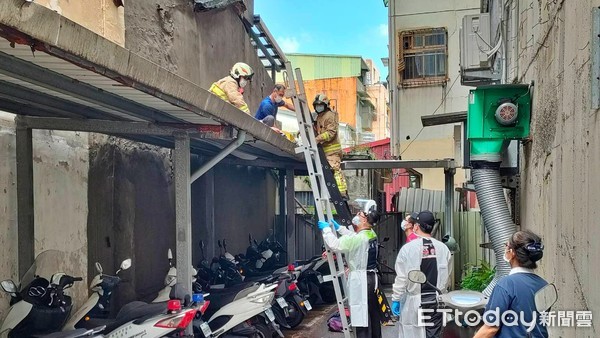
column 497, row 113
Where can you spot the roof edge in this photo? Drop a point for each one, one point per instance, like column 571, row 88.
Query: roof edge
column 48, row 31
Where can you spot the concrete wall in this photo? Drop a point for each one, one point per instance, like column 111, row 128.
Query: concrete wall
column 132, row 211
column 408, row 137
column 560, row 166
column 201, row 47
column 100, row 16
column 60, row 168
column 244, row 202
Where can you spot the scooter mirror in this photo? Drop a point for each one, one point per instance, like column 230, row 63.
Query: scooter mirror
column 385, row 239
column 126, row 264
column 545, row 298
column 417, row 276
column 219, row 244
column 9, row 286
column 99, row 267
column 170, row 254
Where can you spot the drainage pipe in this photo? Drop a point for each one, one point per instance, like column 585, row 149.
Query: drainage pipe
column 495, row 214
column 231, row 147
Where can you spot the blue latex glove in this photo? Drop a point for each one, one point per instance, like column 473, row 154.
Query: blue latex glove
column 335, row 224
column 322, row 225
column 325, row 224
column 396, row 308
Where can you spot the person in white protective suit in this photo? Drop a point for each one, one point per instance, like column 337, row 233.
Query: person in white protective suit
column 433, row 258
column 361, row 249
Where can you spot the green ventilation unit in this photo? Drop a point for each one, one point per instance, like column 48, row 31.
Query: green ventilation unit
column 497, row 114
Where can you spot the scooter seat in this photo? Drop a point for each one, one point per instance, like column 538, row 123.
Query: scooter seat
column 135, row 310
column 67, row 334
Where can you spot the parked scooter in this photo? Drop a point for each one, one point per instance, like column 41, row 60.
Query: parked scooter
column 463, row 300
column 234, row 319
column 171, row 280
column 98, row 304
column 248, row 314
column 290, row 306
column 153, row 320
column 310, row 280
column 261, row 260
column 39, row 305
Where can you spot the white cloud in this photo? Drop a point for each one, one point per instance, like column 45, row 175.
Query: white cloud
column 288, row 44
column 383, row 29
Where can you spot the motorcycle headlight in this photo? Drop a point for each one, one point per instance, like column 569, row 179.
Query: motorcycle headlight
column 266, row 299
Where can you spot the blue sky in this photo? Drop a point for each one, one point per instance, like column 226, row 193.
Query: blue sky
column 350, row 27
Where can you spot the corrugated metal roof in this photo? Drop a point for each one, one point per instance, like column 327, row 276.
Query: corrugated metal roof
column 324, row 66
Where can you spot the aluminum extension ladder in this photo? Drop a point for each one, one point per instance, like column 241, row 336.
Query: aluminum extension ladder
column 324, row 187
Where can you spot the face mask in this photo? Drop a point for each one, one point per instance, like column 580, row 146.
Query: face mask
column 278, row 99
column 403, row 225
column 356, row 220
column 243, row 83
column 505, row 258
column 320, row 109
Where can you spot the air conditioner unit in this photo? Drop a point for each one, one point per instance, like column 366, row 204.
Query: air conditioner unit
column 476, row 66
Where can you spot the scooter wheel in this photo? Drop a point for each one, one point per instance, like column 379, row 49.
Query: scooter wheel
column 296, row 316
column 262, row 330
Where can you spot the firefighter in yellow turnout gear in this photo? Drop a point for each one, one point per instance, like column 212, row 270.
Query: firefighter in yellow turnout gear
column 228, row 88
column 326, row 131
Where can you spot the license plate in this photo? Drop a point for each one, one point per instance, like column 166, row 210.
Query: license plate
column 320, row 278
column 206, row 331
column 270, row 315
column 307, row 305
column 282, row 302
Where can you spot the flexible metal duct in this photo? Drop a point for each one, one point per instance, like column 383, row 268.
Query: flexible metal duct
column 494, row 210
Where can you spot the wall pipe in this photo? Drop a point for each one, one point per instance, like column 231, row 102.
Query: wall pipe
column 231, row 147
column 495, row 214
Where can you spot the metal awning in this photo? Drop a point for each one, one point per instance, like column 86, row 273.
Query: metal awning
column 52, row 67
column 393, row 164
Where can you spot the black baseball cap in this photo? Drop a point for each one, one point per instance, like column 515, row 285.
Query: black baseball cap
column 425, row 217
column 414, row 216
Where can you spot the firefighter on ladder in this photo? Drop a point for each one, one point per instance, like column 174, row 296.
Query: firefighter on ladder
column 230, row 88
column 326, row 131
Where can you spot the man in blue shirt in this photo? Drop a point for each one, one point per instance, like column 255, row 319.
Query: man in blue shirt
column 267, row 111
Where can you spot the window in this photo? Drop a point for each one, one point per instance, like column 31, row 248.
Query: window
column 423, row 57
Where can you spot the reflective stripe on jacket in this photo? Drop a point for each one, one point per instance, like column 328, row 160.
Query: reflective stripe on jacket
column 326, row 129
column 227, row 89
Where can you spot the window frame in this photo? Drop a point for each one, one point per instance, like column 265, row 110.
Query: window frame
column 415, row 49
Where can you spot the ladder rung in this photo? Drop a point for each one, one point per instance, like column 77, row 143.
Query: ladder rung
column 299, row 150
column 329, row 278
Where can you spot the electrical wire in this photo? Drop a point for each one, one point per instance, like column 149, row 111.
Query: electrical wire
column 434, row 112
